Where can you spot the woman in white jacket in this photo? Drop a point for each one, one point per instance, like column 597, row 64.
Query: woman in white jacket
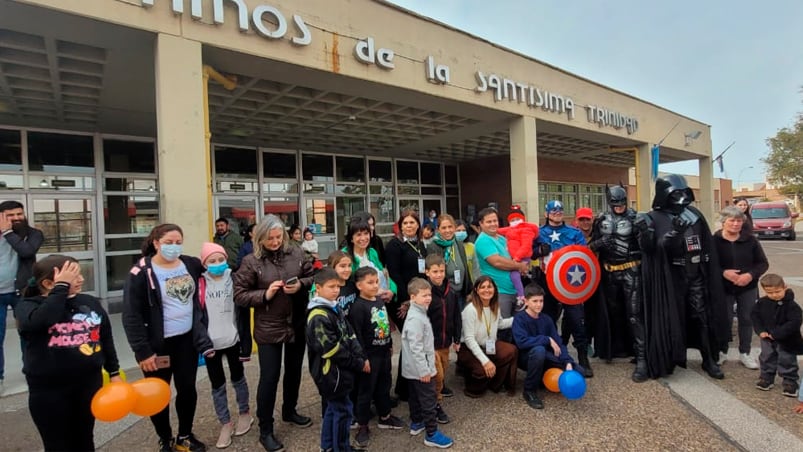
column 488, row 362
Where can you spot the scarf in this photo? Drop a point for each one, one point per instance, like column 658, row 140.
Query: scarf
column 445, row 244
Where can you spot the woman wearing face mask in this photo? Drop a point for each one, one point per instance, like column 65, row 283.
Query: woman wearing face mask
column 166, row 327
column 275, row 280
column 448, row 242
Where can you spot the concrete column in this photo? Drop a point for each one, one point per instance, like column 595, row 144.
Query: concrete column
column 524, row 166
column 184, row 181
column 645, row 186
column 706, row 200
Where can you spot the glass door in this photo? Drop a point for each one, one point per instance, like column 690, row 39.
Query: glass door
column 319, row 212
column 240, row 211
column 68, row 223
column 410, row 203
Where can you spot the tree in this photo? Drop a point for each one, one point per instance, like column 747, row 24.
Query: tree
column 785, row 160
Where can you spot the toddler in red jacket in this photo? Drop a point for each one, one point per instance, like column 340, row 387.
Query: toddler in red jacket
column 520, row 236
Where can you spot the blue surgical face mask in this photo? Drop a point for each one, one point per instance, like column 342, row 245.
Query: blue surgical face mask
column 460, row 235
column 171, row 252
column 217, row 269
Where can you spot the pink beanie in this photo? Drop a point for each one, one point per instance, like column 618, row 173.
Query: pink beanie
column 209, row 248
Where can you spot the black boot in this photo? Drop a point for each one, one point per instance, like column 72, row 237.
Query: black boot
column 270, row 443
column 640, row 373
column 582, row 358
column 710, row 365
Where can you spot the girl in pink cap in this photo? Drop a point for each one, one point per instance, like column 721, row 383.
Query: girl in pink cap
column 226, row 325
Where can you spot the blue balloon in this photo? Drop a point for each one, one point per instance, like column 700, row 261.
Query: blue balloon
column 572, row 384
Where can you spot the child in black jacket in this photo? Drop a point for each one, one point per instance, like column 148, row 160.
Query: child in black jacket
column 68, row 338
column 335, row 356
column 777, row 319
column 447, row 326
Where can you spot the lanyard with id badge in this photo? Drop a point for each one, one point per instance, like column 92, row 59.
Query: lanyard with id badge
column 421, row 262
column 490, row 344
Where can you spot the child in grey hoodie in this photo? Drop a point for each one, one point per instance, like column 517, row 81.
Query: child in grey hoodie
column 418, row 366
column 216, row 291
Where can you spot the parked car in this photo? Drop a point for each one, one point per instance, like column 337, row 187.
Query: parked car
column 773, row 219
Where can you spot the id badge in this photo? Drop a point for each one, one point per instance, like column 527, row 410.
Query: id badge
column 457, row 277
column 421, row 265
column 490, row 347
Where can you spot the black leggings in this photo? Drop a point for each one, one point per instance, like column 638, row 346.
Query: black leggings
column 183, row 367
column 214, row 366
column 61, row 410
column 270, row 367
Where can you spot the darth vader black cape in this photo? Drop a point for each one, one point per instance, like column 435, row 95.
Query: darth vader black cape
column 669, row 330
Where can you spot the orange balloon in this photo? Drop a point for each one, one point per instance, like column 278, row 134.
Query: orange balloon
column 551, row 378
column 113, row 401
column 153, row 395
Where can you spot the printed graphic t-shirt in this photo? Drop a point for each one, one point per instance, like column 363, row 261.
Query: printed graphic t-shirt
column 177, row 287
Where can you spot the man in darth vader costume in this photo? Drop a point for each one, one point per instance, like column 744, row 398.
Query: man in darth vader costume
column 684, row 304
column 619, row 323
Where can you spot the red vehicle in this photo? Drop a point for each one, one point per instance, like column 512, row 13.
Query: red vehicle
column 773, row 219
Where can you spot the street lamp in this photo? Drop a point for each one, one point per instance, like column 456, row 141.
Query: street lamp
column 739, row 176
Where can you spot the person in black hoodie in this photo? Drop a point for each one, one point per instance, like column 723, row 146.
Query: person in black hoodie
column 68, row 339
column 335, row 357
column 777, row 319
column 166, row 327
column 742, row 261
column 447, row 325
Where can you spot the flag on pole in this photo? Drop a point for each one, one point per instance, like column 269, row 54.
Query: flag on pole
column 720, row 164
column 656, row 152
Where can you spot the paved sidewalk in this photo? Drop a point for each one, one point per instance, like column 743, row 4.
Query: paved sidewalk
column 687, row 411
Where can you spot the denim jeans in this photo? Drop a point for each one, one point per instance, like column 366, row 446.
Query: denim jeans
column 7, row 299
column 336, row 422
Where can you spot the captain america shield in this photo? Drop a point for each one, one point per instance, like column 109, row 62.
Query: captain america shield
column 572, row 274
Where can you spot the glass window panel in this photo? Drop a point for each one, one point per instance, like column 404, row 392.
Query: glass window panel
column 11, row 181
column 129, row 184
column 455, row 191
column 383, row 209
column 431, row 191
column 128, row 156
column 125, row 243
column 346, row 208
column 317, row 167
column 384, row 230
column 117, row 268
column 60, row 153
column 319, row 188
column 380, row 171
column 381, row 190
column 453, row 206
column 239, row 212
column 88, row 272
column 65, row 223
column 405, row 204
column 350, row 169
column 450, row 174
column 407, row 172
column 284, row 208
column 431, row 173
column 130, row 214
column 235, row 163
column 236, row 186
column 10, row 150
column 322, row 212
column 275, row 187
column 278, row 165
column 349, row 189
column 407, row 190
column 61, row 183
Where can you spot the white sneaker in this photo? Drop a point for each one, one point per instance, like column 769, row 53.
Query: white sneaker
column 224, row 440
column 244, row 423
column 748, row 361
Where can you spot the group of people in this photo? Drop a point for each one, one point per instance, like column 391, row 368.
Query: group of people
column 668, row 284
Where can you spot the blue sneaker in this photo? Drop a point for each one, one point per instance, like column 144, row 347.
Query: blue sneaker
column 438, row 440
column 416, row 428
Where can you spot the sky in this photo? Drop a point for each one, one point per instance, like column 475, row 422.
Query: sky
column 735, row 65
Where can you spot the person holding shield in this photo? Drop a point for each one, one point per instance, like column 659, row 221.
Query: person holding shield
column 554, row 235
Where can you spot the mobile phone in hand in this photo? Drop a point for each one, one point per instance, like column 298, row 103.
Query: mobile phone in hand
column 162, row 362
column 291, row 281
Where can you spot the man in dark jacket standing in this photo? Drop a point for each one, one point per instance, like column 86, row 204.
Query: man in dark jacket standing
column 230, row 241
column 19, row 244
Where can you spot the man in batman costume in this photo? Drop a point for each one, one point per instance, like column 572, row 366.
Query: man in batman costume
column 619, row 322
column 684, row 302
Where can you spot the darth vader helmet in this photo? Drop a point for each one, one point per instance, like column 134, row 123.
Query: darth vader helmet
column 672, row 193
column 617, row 196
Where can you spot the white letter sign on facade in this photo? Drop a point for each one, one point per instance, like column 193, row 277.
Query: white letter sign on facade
column 436, row 73
column 533, row 97
column 364, row 51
